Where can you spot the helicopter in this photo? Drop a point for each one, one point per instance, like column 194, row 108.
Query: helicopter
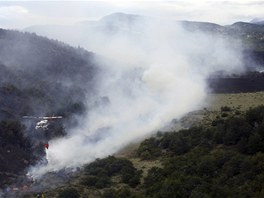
column 43, row 122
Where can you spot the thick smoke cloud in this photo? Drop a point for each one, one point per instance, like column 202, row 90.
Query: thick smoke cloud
column 152, row 71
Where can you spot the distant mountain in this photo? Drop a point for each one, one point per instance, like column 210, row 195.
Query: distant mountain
column 129, row 22
column 118, row 20
column 202, row 26
column 257, row 21
column 86, row 32
column 244, row 27
column 121, row 19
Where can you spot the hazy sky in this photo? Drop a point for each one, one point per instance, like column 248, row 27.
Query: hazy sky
column 20, row 14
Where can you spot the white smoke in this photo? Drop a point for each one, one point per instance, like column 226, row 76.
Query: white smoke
column 158, row 74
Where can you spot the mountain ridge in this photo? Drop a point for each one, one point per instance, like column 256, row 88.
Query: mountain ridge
column 124, row 19
column 133, row 24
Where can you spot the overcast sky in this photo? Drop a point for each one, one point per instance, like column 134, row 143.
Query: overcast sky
column 21, row 14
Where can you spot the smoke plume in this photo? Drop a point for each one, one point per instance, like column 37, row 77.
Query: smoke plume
column 152, row 72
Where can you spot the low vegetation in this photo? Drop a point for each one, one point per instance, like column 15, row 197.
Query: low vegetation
column 98, row 174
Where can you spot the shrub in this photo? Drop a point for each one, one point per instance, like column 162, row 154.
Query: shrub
column 99, row 172
column 224, row 115
column 69, row 193
column 89, row 180
column 225, row 108
column 255, row 116
column 149, row 149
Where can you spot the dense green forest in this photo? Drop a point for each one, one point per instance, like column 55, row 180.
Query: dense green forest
column 225, row 159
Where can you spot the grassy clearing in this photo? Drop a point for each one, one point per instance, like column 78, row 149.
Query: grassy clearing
column 238, row 103
column 243, row 101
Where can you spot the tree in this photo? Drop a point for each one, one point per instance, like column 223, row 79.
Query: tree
column 69, row 193
column 149, row 149
column 255, row 115
column 255, row 143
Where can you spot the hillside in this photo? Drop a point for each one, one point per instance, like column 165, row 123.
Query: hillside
column 38, row 77
column 223, row 159
column 35, row 68
column 106, row 177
